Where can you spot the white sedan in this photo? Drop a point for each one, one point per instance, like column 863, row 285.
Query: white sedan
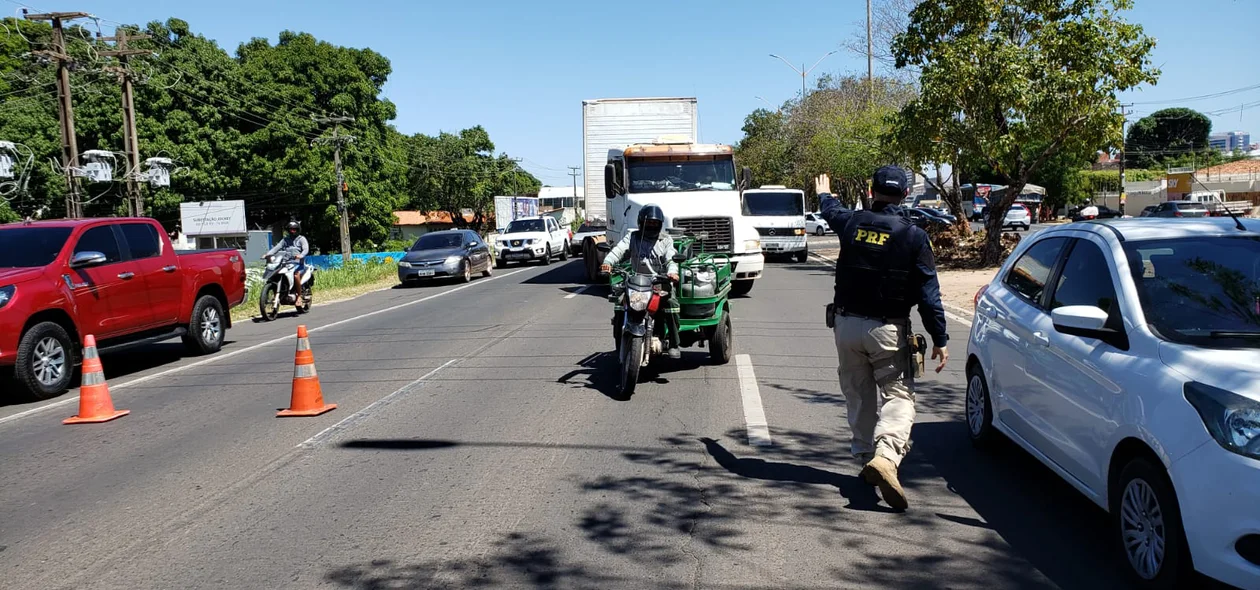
column 815, row 224
column 1126, row 357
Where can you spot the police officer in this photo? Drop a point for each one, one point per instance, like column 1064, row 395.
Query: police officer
column 885, row 267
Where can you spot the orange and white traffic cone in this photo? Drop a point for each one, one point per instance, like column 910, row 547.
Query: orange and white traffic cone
column 307, row 398
column 95, row 404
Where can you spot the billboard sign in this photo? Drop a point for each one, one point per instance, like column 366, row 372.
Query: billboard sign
column 212, row 218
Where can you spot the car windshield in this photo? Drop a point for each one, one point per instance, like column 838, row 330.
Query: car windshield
column 438, row 242
column 669, row 175
column 31, row 247
column 586, row 227
column 1191, row 207
column 774, row 204
column 1200, row 290
column 526, row 225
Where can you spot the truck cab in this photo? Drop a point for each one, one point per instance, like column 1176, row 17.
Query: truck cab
column 778, row 213
column 695, row 185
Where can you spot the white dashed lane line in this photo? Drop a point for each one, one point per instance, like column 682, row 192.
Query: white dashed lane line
column 754, row 413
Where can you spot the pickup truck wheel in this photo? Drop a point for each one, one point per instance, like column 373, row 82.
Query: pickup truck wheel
column 564, row 254
column 741, row 287
column 205, row 331
column 547, row 255
column 45, row 360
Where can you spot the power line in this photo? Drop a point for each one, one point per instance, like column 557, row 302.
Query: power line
column 1202, row 96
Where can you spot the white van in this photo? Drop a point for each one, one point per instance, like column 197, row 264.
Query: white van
column 778, row 213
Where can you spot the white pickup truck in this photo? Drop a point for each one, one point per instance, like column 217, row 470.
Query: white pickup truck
column 531, row 238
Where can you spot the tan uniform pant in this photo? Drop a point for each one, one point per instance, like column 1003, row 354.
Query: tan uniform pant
column 880, row 398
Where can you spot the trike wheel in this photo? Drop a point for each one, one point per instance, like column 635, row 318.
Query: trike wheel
column 722, row 340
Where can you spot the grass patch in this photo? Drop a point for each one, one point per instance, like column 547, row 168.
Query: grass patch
column 349, row 280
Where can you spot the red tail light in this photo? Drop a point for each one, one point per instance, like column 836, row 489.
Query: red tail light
column 1178, row 214
column 976, row 302
column 654, row 303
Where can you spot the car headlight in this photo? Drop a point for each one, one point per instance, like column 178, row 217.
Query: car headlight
column 1231, row 419
column 528, row 242
column 800, row 231
column 752, row 244
column 639, row 299
column 453, row 259
column 404, row 264
column 6, row 294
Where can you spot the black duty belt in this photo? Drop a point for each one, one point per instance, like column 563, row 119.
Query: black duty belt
column 883, row 319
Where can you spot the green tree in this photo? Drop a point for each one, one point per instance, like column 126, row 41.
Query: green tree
column 1166, row 134
column 999, row 77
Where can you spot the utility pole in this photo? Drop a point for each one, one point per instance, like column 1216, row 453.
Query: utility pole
column 337, row 140
column 65, row 109
column 130, row 141
column 1123, row 122
column 576, row 171
column 870, row 52
column 516, row 187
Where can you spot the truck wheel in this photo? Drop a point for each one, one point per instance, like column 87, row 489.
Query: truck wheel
column 205, row 330
column 722, row 340
column 803, row 255
column 741, row 287
column 45, row 360
column 547, row 255
column 564, row 254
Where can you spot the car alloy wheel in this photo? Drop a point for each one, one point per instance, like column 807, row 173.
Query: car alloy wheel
column 1143, row 530
column 49, row 363
column 211, row 326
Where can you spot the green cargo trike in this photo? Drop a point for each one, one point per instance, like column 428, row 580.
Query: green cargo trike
column 701, row 300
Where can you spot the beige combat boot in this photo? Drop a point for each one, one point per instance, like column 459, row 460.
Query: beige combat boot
column 882, row 473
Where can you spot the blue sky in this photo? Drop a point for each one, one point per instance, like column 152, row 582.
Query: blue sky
column 521, row 69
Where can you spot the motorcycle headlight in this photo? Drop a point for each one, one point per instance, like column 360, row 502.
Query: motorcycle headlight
column 639, row 299
column 453, row 259
column 6, row 294
column 752, row 244
column 404, row 264
column 1231, row 419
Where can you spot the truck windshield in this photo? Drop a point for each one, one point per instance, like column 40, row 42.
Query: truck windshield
column 31, row 247
column 526, row 225
column 774, row 204
column 1201, row 290
column 664, row 176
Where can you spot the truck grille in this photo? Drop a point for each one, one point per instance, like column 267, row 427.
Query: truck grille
column 778, row 232
column 721, row 235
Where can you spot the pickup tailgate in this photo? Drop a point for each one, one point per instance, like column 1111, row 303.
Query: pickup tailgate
column 224, row 267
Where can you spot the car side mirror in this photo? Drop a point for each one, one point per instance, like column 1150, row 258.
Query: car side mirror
column 1088, row 321
column 87, row 259
column 473, row 245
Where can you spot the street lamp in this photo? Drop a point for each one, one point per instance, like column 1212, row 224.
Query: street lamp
column 804, row 72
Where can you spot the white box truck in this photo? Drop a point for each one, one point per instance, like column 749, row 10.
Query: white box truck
column 778, row 212
column 640, row 151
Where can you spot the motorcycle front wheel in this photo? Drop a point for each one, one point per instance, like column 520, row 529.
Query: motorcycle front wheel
column 308, row 296
column 631, row 361
column 269, row 302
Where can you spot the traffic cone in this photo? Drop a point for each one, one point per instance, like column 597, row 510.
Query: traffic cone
column 95, row 404
column 307, row 398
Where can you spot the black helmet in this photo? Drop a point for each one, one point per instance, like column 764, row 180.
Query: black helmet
column 292, row 228
column 651, row 221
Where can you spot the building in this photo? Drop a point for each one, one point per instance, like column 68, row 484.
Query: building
column 560, row 197
column 1231, row 141
column 410, row 225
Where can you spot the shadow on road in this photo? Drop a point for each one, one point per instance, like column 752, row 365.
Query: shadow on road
column 561, row 273
column 861, row 496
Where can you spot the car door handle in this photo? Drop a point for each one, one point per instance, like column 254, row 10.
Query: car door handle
column 171, row 268
column 1041, row 339
column 126, row 276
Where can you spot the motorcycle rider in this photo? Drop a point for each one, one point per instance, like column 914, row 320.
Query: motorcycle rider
column 652, row 251
column 294, row 239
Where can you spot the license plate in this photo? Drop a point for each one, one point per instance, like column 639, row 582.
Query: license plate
column 517, row 255
column 424, row 273
column 773, row 247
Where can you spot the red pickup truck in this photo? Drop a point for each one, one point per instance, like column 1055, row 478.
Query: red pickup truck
column 118, row 279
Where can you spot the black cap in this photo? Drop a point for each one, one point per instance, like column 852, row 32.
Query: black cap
column 890, row 181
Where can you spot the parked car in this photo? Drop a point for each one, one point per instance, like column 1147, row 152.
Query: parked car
column 921, row 219
column 1148, row 211
column 445, row 254
column 119, row 280
column 531, row 238
column 1141, row 389
column 584, row 231
column 1181, row 209
column 815, row 224
column 938, row 213
column 1092, row 212
column 1017, row 216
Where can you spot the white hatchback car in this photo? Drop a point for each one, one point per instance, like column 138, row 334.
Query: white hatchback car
column 815, row 224
column 1125, row 355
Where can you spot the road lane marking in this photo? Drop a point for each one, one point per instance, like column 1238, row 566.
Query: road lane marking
column 360, row 415
column 578, row 292
column 754, row 414
column 227, row 355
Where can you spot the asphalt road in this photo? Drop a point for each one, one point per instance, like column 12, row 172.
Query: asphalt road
column 478, row 443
